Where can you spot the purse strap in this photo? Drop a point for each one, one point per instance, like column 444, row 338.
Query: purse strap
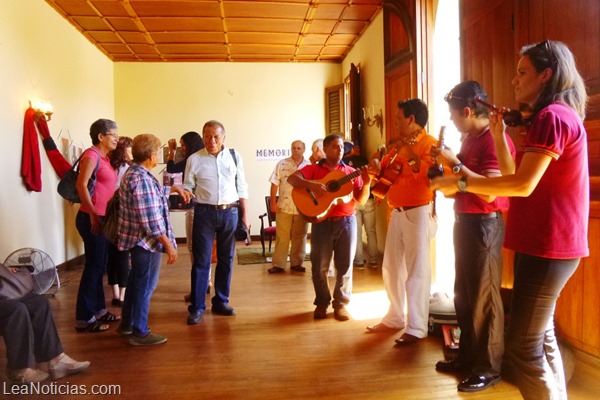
column 76, row 163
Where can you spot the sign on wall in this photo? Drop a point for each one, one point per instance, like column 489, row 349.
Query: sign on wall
column 272, row 154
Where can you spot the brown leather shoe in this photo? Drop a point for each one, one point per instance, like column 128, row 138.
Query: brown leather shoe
column 381, row 328
column 407, row 339
column 320, row 312
column 341, row 314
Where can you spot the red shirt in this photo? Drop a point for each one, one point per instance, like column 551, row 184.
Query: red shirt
column 320, row 170
column 478, row 153
column 552, row 222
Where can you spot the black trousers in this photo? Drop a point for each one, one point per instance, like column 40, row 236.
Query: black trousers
column 478, row 243
column 29, row 331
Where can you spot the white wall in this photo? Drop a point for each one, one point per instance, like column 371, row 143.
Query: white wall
column 261, row 105
column 43, row 57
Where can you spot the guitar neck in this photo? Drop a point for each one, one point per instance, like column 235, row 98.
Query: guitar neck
column 349, row 177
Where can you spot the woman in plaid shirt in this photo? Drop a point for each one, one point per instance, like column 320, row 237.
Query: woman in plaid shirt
column 145, row 230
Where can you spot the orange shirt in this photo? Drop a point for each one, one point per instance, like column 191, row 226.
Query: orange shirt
column 412, row 188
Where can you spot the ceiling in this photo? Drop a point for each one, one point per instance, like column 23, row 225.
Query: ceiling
column 220, row 30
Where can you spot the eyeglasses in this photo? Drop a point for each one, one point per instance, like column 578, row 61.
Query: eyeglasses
column 115, row 135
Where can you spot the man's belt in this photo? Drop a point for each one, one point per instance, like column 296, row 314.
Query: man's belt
column 217, row 206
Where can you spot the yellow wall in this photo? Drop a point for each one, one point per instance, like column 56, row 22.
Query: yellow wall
column 42, row 56
column 261, row 105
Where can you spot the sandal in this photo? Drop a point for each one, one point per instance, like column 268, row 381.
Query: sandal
column 109, row 317
column 93, row 327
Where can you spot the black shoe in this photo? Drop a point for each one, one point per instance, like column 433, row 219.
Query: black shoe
column 298, row 268
column 117, row 303
column 475, row 383
column 275, row 270
column 223, row 309
column 195, row 317
column 450, row 366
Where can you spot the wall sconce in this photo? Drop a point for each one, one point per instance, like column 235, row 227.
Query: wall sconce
column 373, row 119
column 42, row 110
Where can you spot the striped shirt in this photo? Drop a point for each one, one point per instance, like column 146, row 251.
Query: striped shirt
column 143, row 212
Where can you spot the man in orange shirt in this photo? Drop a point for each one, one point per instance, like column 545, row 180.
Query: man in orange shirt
column 406, row 264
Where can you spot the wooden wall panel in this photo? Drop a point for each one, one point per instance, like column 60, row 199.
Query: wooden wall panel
column 492, row 34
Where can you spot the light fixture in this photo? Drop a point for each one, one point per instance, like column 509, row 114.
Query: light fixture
column 43, row 110
column 373, row 119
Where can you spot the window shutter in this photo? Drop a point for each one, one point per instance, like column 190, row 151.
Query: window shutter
column 334, row 110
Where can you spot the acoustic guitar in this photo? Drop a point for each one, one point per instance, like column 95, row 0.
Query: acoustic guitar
column 315, row 208
column 391, row 168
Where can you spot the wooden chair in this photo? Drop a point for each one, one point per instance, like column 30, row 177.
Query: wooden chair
column 267, row 231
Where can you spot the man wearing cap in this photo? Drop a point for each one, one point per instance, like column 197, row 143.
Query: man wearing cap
column 365, row 214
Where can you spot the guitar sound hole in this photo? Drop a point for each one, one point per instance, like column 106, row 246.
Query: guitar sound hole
column 333, row 186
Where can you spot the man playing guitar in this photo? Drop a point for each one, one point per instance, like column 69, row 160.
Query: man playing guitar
column 406, row 264
column 337, row 231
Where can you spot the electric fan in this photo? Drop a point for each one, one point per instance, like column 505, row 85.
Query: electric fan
column 39, row 264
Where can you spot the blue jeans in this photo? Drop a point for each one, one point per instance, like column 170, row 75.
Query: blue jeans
column 143, row 278
column 335, row 238
column 208, row 224
column 532, row 357
column 90, row 297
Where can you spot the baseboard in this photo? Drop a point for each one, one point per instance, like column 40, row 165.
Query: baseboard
column 73, row 263
column 587, row 364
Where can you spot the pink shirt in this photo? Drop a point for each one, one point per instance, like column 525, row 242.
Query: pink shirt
column 319, row 171
column 106, row 181
column 553, row 221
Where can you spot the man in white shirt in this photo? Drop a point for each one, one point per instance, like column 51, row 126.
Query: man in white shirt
column 219, row 184
column 291, row 225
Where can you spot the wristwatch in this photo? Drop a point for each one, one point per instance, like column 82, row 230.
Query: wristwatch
column 457, row 167
column 462, row 184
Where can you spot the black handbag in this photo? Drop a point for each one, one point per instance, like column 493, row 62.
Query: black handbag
column 67, row 185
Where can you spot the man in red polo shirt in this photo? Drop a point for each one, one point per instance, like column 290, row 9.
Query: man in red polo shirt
column 337, row 232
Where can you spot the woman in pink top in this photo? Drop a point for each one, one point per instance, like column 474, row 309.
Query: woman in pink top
column 549, row 188
column 91, row 313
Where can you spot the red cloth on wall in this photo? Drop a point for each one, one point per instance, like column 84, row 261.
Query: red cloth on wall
column 31, row 168
column 58, row 161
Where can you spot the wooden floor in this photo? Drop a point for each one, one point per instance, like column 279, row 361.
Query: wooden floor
column 272, row 348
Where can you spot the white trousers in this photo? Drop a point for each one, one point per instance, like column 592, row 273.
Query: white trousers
column 406, row 269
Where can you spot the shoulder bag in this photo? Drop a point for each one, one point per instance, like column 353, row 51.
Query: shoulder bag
column 67, row 185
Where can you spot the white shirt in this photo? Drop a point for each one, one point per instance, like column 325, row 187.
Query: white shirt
column 283, row 169
column 212, row 179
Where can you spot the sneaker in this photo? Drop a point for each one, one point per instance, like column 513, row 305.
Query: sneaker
column 27, row 375
column 373, row 264
column 65, row 365
column 150, row 339
column 359, row 265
